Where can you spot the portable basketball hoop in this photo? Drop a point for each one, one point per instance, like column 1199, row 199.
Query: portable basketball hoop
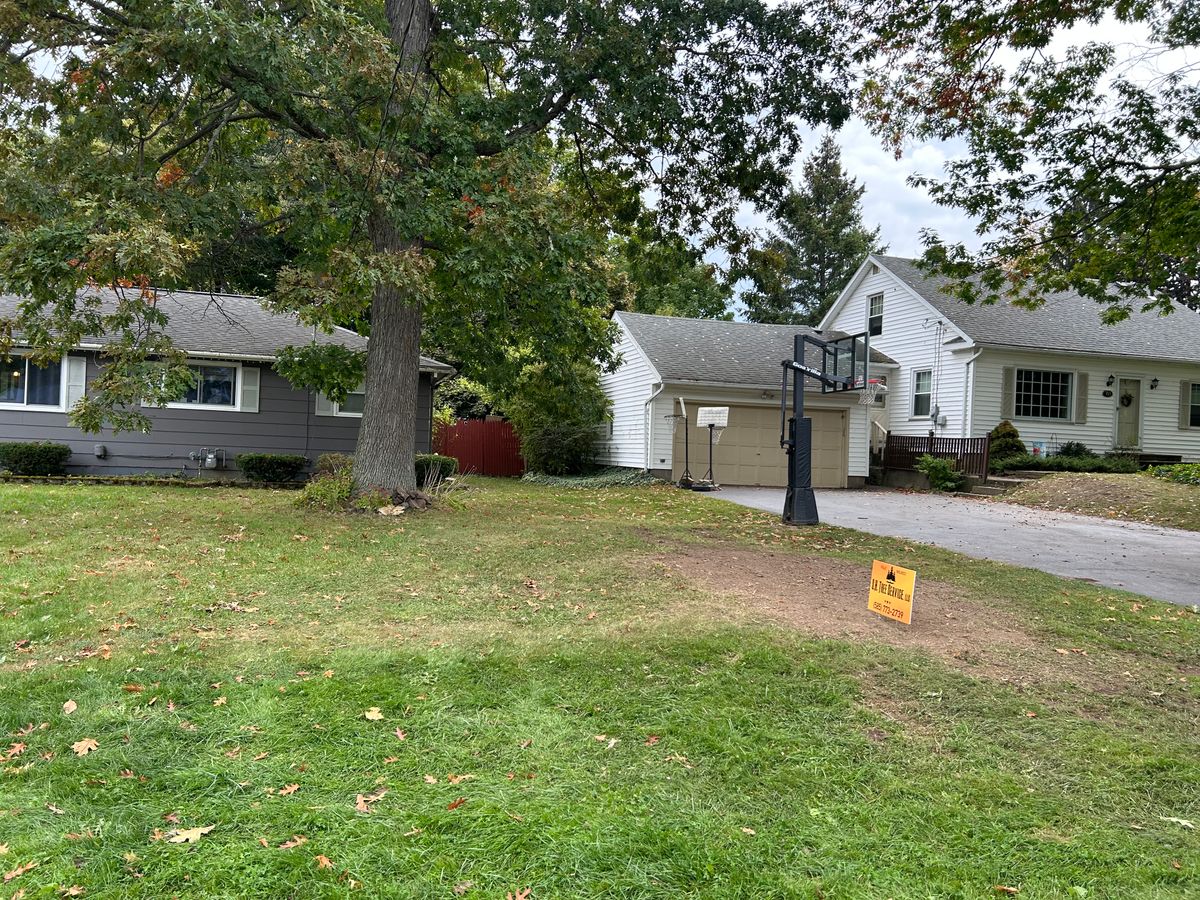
column 875, row 387
column 677, row 419
column 715, row 419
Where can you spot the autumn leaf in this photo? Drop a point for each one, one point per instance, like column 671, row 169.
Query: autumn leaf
column 56, row 810
column 430, row 779
column 323, row 861
column 525, row 745
column 519, row 895
column 363, row 802
column 652, row 740
column 1183, row 823
column 3, row 849
column 413, row 832
column 19, row 871
column 749, row 831
column 290, row 789
column 133, row 688
column 171, row 817
column 69, row 707
column 462, row 887
column 401, row 735
column 1005, row 889
column 189, row 835
column 373, row 714
column 296, row 841
column 456, row 803
column 220, row 701
column 261, row 756
column 85, row 746
column 458, row 779
column 75, row 890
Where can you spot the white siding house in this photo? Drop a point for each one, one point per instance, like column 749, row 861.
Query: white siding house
column 670, row 366
column 1057, row 372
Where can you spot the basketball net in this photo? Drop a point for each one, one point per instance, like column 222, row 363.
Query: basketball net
column 716, row 433
column 870, row 391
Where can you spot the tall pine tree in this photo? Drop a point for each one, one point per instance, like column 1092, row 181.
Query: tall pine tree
column 817, row 242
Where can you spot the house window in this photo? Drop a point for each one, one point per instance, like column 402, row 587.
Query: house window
column 25, row 383
column 922, row 392
column 1042, row 394
column 213, row 384
column 875, row 314
column 353, row 404
column 1194, row 418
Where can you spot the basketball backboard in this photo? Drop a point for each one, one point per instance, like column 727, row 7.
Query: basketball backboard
column 712, row 415
column 845, row 358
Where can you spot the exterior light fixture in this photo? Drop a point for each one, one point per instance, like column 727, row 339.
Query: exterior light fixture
column 1110, row 381
column 1153, row 383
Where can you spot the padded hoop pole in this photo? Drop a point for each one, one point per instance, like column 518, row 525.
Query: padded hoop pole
column 800, row 503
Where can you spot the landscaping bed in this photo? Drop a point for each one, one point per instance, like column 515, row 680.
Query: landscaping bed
column 634, row 692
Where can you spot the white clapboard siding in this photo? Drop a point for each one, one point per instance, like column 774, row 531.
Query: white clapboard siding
column 1160, row 407
column 629, row 387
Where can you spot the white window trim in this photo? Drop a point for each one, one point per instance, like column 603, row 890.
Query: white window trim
column 1070, row 414
column 62, row 389
column 1192, row 385
column 337, row 411
column 916, row 416
column 870, row 315
column 236, row 406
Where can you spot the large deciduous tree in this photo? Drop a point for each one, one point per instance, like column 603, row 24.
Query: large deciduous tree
column 1081, row 170
column 410, row 154
column 817, row 242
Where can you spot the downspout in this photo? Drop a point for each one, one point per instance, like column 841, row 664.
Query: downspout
column 969, row 397
column 648, row 424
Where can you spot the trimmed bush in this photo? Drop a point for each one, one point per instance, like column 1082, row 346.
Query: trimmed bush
column 1006, row 441
column 941, row 472
column 1074, row 450
column 328, row 463
column 1180, row 473
column 559, row 414
column 35, row 458
column 433, row 469
column 1110, row 464
column 271, row 467
column 329, row 490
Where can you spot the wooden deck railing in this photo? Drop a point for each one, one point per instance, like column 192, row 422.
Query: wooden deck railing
column 970, row 454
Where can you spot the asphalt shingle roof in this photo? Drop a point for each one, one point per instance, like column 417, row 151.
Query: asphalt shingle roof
column 713, row 351
column 231, row 324
column 1066, row 321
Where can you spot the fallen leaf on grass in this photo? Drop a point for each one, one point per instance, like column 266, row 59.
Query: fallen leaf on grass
column 749, row 831
column 261, row 757
column 388, row 760
column 220, row 701
column 456, row 779
column 290, row 789
column 323, row 861
column 263, row 842
column 171, row 817
column 1005, row 889
column 373, row 714
column 85, row 746
column 430, row 779
column 189, row 835
column 402, row 735
column 455, row 804
column 413, row 832
column 54, row 809
column 296, row 841
column 462, row 887
column 1184, row 823
column 1030, row 715
column 652, row 740
column 363, row 801
column 3, row 849
column 19, row 871
column 133, row 688
column 519, row 895
column 69, row 707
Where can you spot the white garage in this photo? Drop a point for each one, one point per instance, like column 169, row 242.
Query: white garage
column 673, row 366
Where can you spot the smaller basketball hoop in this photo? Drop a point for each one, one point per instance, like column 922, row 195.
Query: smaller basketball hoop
column 716, row 433
column 875, row 387
column 675, row 419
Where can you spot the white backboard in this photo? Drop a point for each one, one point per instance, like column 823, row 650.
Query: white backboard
column 712, row 415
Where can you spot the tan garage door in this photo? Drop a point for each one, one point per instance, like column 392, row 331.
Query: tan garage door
column 749, row 452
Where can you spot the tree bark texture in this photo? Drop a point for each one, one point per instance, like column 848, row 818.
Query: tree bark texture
column 384, row 456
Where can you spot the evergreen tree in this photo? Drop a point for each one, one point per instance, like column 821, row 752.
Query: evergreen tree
column 818, row 241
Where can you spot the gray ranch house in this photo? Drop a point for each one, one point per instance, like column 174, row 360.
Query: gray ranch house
column 239, row 404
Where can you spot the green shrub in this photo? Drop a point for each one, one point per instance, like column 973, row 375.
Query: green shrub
column 604, row 478
column 942, row 474
column 433, row 469
column 328, row 490
column 272, row 467
column 35, row 458
column 1180, row 473
column 1074, row 450
column 1111, row 464
column 1006, row 441
column 328, row 463
column 558, row 415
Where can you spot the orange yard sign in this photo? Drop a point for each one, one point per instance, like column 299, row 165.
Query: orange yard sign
column 891, row 593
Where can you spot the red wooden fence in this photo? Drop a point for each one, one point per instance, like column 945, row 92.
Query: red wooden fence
column 970, row 454
column 481, row 447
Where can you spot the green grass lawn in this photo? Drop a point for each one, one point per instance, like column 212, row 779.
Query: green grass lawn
column 513, row 692
column 1138, row 498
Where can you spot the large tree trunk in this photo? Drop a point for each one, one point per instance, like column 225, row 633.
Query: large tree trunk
column 384, row 456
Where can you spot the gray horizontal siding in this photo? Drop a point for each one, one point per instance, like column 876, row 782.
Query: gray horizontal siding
column 285, row 423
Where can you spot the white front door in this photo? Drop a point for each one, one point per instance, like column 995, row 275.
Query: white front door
column 1129, row 413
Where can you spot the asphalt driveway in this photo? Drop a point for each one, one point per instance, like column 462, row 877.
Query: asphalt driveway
column 1158, row 562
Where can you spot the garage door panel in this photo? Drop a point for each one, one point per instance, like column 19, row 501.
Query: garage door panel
column 749, row 451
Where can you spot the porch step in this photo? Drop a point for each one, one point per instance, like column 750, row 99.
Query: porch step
column 989, row 490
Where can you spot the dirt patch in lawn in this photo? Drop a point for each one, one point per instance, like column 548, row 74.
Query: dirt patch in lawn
column 828, row 598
